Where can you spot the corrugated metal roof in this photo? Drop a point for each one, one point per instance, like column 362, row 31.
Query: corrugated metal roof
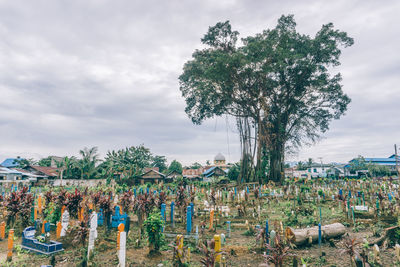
column 10, row 162
column 9, row 171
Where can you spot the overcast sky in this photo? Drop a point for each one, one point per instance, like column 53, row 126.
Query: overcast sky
column 105, row 73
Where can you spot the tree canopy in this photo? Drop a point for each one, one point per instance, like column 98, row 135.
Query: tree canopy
column 175, row 166
column 278, row 84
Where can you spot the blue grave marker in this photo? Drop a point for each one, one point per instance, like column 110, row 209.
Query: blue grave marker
column 163, row 211
column 118, row 218
column 188, row 219
column 172, row 213
column 100, row 217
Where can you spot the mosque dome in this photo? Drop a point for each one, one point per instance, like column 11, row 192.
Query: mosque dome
column 219, row 157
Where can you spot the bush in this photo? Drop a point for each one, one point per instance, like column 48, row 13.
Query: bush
column 153, row 225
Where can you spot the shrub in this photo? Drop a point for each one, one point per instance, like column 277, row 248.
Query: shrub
column 153, row 225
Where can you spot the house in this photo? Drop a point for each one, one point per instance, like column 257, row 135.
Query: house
column 172, row 176
column 318, row 170
column 151, row 176
column 10, row 162
column 43, row 172
column 390, row 162
column 194, row 174
column 213, row 172
column 7, row 174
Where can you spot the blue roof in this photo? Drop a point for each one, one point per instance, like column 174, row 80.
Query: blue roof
column 10, row 162
column 209, row 171
column 391, row 161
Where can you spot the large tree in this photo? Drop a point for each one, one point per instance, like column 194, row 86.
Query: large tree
column 279, row 85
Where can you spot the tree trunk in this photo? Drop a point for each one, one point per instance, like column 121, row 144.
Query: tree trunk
column 302, row 236
column 276, row 162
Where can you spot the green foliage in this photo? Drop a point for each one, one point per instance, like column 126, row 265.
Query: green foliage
column 87, row 164
column 128, row 162
column 153, row 225
column 175, row 166
column 358, row 164
column 45, row 162
column 234, row 172
column 195, row 166
column 375, row 170
column 280, row 80
column 160, row 162
column 52, row 212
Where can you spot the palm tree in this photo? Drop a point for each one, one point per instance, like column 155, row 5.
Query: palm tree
column 88, row 162
column 65, row 165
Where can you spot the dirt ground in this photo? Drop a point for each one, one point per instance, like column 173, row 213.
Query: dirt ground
column 239, row 251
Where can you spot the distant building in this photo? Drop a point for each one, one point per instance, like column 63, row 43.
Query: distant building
column 10, row 162
column 43, row 172
column 390, row 162
column 152, row 176
column 7, row 174
column 213, row 172
column 194, row 174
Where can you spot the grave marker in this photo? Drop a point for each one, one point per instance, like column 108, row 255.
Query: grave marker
column 122, row 249
column 217, row 248
column 92, row 232
column 2, row 230
column 188, row 219
column 64, row 223
column 10, row 244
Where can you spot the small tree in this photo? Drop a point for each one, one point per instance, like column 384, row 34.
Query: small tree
column 175, row 166
column 154, row 224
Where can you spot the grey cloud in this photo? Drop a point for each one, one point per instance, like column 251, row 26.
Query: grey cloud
column 104, row 73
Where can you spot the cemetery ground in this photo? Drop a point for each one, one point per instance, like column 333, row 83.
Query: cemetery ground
column 241, row 221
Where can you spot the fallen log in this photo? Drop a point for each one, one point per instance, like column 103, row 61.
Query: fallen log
column 387, row 234
column 310, row 235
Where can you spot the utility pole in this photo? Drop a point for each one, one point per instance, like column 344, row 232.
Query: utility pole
column 397, row 161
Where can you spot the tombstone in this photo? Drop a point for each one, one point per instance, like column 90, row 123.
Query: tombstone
column 319, row 235
column 64, row 223
column 172, row 213
column 217, row 247
column 117, row 218
column 211, row 219
column 188, row 219
column 100, row 218
column 272, row 239
column 122, row 249
column 223, row 239
column 29, row 242
column 10, row 244
column 163, row 211
column 58, row 231
column 47, row 227
column 266, row 232
column 197, row 235
column 2, row 230
column 228, row 228
column 92, row 232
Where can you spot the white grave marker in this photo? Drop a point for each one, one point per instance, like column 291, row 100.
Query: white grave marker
column 64, row 223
